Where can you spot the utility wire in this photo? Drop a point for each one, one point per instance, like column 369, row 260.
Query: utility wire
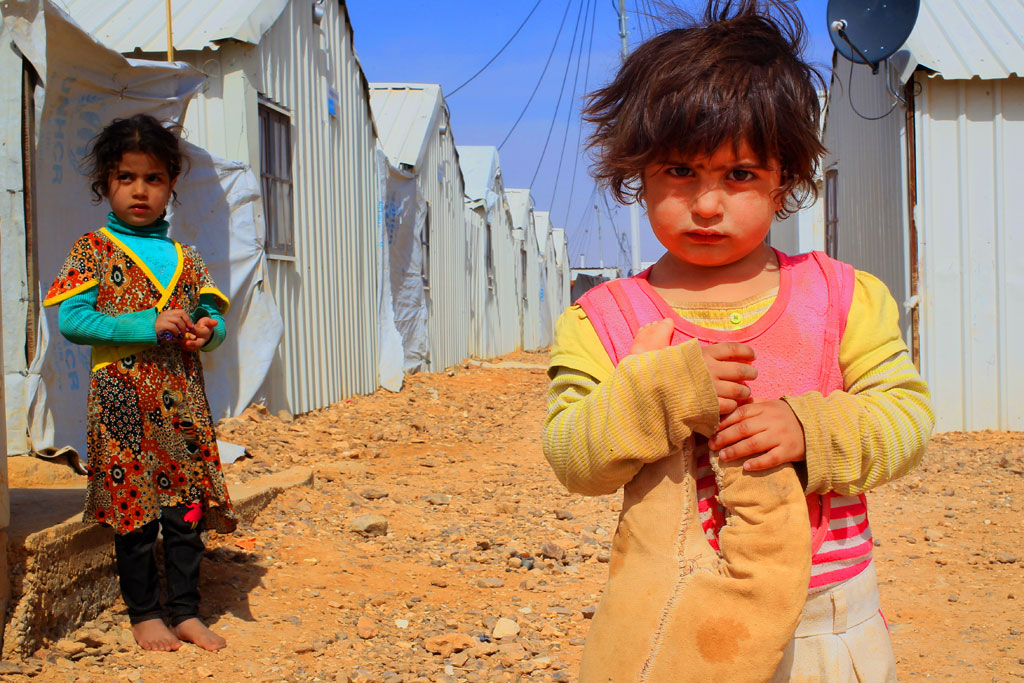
column 615, row 230
column 491, row 60
column 639, row 24
column 568, row 117
column 561, row 90
column 539, row 80
column 579, row 125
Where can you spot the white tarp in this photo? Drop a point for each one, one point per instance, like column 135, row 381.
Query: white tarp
column 404, row 222
column 390, row 364
column 86, row 85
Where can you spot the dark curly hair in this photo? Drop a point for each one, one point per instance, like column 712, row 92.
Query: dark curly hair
column 139, row 133
column 734, row 74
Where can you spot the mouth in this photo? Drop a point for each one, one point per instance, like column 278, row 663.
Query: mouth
column 705, row 236
column 138, row 208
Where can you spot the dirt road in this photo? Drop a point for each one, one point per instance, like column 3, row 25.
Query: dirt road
column 488, row 570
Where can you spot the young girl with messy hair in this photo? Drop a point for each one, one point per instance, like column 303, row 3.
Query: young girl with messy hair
column 744, row 399
column 147, row 305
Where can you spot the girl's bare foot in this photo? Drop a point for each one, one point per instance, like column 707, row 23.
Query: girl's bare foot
column 194, row 631
column 652, row 336
column 153, row 634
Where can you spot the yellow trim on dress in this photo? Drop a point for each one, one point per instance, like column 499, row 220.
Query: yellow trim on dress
column 165, row 292
column 64, row 296
column 102, row 356
column 219, row 294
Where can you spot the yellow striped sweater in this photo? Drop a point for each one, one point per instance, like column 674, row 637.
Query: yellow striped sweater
column 599, row 432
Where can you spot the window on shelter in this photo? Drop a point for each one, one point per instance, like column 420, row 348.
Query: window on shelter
column 831, row 213
column 276, row 178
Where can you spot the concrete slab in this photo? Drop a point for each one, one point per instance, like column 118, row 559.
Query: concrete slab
column 62, row 570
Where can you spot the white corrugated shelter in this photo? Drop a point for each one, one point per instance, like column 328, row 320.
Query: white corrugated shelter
column 545, row 264
column 269, row 58
column 415, row 133
column 558, row 274
column 495, row 289
column 525, row 232
column 926, row 199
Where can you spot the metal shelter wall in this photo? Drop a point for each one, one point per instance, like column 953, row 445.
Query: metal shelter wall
column 328, row 293
column 448, row 299
column 869, row 157
column 970, row 157
column 481, row 298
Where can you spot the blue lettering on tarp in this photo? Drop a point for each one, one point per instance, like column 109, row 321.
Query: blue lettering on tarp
column 72, row 364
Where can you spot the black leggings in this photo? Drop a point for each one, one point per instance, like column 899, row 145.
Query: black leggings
column 136, row 567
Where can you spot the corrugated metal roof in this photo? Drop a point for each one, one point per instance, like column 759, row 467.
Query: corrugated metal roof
column 542, row 225
column 960, row 39
column 405, row 114
column 519, row 205
column 127, row 25
column 479, row 167
column 558, row 235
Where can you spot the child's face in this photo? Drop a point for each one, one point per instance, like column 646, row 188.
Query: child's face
column 139, row 189
column 712, row 211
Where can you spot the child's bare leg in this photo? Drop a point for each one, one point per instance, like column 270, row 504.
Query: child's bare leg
column 194, row 631
column 153, row 634
column 652, row 336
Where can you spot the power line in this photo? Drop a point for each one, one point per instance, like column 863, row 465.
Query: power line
column 579, row 125
column 639, row 24
column 491, row 60
column 568, row 117
column 539, row 80
column 561, row 90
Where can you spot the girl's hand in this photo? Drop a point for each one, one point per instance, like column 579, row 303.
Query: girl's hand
column 172, row 325
column 767, row 429
column 730, row 365
column 202, row 332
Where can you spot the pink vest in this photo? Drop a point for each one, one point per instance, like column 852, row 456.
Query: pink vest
column 797, row 345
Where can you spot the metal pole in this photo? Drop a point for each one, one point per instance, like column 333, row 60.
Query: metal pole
column 170, row 39
column 634, row 208
column 600, row 244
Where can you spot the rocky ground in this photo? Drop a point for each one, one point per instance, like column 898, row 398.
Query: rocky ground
column 436, row 545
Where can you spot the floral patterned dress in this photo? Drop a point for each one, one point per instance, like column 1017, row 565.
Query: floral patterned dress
column 151, row 442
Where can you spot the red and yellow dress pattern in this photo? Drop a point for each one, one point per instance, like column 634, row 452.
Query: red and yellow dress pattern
column 151, row 442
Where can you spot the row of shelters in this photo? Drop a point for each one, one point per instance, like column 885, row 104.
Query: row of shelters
column 365, row 248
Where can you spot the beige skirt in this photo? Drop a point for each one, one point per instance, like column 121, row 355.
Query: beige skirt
column 841, row 638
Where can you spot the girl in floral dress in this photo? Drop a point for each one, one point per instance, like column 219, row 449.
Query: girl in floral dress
column 147, row 306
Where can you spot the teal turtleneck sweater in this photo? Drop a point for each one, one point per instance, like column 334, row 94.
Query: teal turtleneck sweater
column 80, row 322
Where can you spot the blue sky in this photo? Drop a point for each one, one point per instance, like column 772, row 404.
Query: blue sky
column 447, row 41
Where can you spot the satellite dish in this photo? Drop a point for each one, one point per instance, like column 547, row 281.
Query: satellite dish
column 870, row 31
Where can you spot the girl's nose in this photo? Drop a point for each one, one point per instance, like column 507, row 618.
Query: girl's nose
column 708, row 202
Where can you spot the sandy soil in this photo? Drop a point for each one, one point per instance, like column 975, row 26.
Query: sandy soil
column 488, row 570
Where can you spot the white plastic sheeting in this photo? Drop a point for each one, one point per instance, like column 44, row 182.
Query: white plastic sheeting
column 391, row 358
column 404, row 223
column 87, row 85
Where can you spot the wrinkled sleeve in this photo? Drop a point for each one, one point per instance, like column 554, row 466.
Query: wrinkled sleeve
column 601, row 428
column 212, row 303
column 875, row 430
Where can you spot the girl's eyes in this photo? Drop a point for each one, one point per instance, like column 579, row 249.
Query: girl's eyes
column 741, row 174
column 737, row 174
